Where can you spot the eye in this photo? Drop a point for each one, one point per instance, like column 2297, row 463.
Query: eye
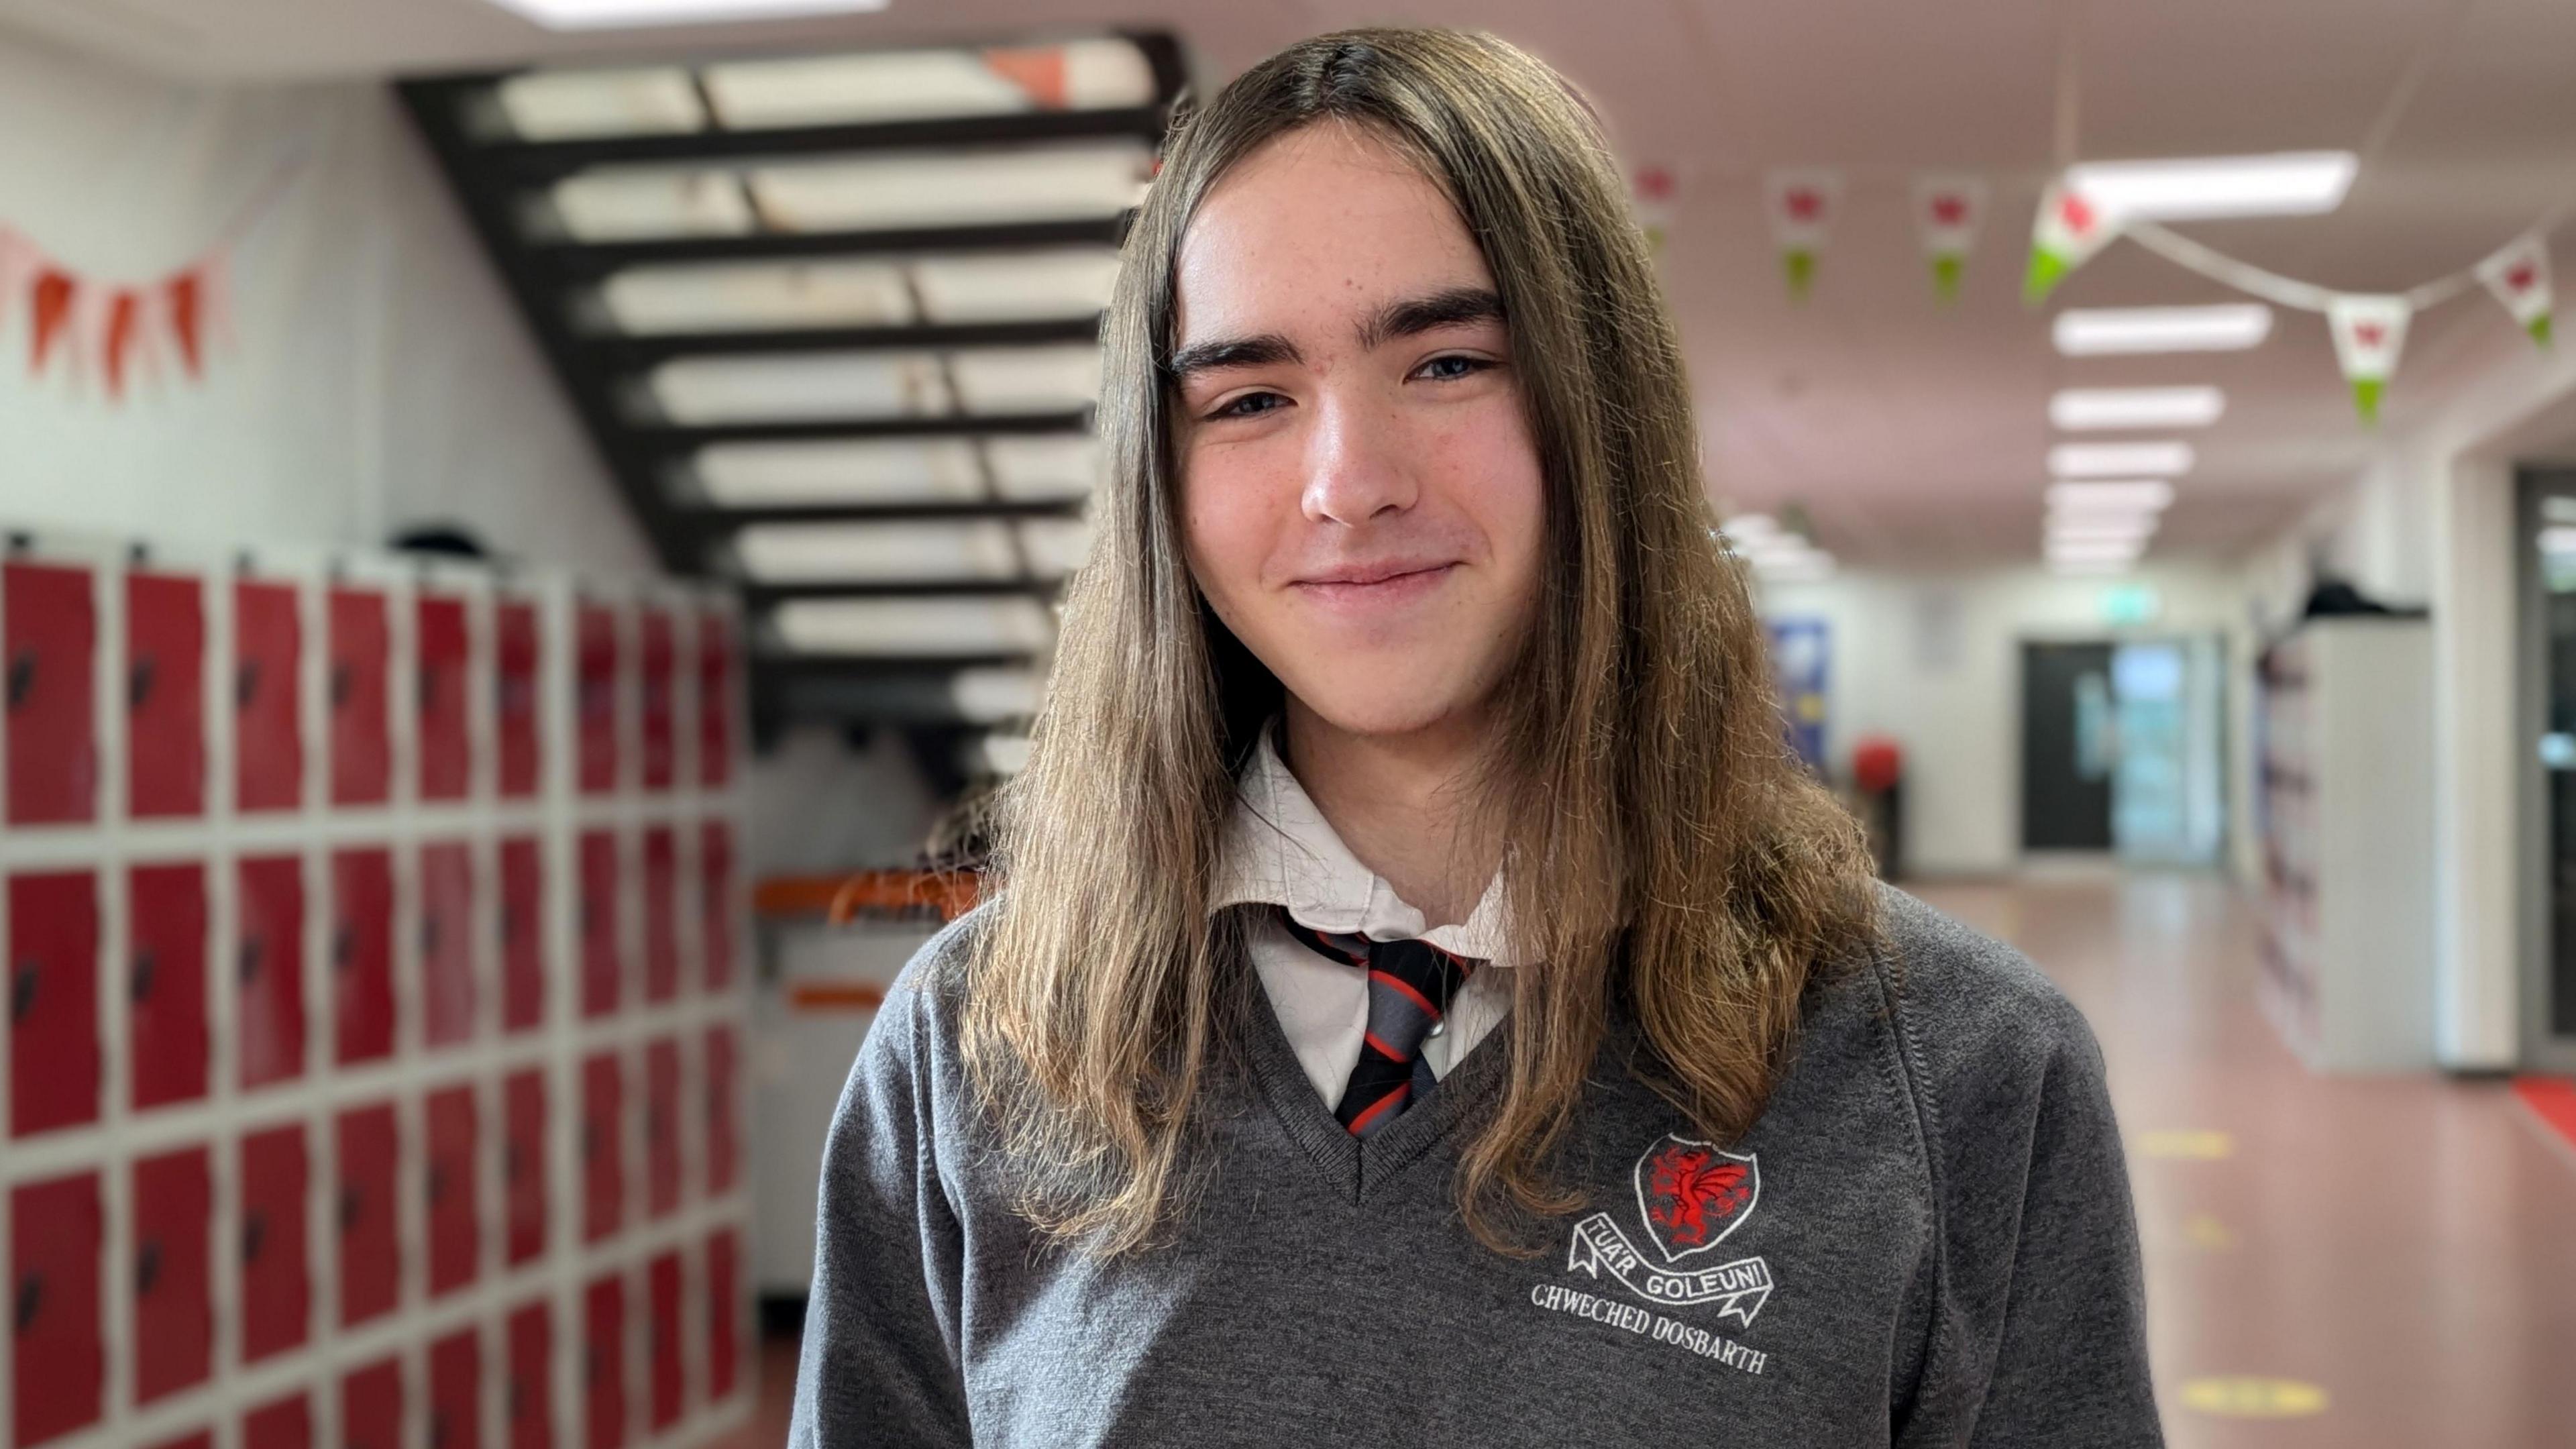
column 1250, row 405
column 1451, row 368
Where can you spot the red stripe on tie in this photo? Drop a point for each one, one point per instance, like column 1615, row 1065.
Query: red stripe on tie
column 1380, row 1105
column 1388, row 1052
column 1418, row 998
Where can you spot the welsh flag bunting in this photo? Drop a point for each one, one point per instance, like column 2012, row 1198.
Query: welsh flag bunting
column 1652, row 191
column 1803, row 204
column 2368, row 333
column 118, row 333
column 1948, row 210
column 2519, row 278
column 2067, row 232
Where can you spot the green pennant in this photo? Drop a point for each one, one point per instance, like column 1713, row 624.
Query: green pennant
column 2538, row 327
column 2046, row 270
column 2365, row 397
column 1947, row 269
column 1800, row 264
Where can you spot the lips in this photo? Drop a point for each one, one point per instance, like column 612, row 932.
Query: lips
column 1381, row 583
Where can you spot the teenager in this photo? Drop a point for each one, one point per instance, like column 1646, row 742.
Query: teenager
column 1423, row 1002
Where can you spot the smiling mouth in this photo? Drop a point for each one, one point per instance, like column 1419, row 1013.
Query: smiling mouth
column 1379, row 588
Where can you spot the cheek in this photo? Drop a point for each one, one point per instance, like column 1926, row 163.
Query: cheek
column 1225, row 533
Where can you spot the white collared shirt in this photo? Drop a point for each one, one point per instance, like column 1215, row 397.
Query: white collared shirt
column 1279, row 850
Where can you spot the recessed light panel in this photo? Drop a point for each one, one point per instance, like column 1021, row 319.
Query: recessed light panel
column 2112, row 495
column 2106, row 331
column 2120, row 460
column 615, row 14
column 2081, row 409
column 2301, row 183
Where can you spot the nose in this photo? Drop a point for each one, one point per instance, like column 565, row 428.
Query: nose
column 1355, row 464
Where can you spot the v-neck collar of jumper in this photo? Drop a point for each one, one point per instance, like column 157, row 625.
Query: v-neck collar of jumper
column 1358, row 1166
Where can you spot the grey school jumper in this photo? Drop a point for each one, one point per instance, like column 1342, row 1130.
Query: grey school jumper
column 1926, row 1239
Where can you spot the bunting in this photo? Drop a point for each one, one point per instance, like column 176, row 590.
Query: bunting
column 2065, row 234
column 107, row 333
column 1803, row 204
column 1949, row 211
column 2369, row 332
column 2518, row 277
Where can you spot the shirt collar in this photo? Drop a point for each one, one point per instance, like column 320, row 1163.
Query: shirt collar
column 1279, row 850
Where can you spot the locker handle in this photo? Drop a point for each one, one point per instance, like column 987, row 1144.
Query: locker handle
column 438, row 1432
column 246, row 685
column 253, row 949
column 343, row 683
column 147, row 1268
column 22, row 990
column 145, row 964
column 254, row 1235
column 429, row 677
column 353, row 1207
column 437, row 1183
column 139, row 681
column 513, row 1162
column 31, row 1300
column 344, row 945
column 22, row 677
column 429, row 934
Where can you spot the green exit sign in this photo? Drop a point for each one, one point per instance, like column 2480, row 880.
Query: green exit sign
column 2123, row 604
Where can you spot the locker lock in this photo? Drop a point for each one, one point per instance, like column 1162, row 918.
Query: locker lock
column 353, row 1207
column 344, row 945
column 246, row 684
column 343, row 681
column 139, row 681
column 31, row 1299
column 22, row 990
column 254, row 1235
column 22, row 677
column 147, row 1268
column 437, row 1183
column 438, row 1429
column 144, row 964
column 252, row 949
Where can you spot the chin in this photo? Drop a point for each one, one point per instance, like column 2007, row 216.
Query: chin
column 1399, row 699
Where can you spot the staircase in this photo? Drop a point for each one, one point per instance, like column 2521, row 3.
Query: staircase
column 831, row 321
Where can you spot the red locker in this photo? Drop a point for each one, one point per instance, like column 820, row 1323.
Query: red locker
column 661, row 666
column 523, row 935
column 662, row 1127
column 268, row 722
column 661, row 914
column 532, row 1377
column 52, row 630
column 604, row 1364
column 269, row 959
column 602, row 967
column 165, row 926
column 597, row 698
column 57, row 1361
column 361, row 743
column 454, row 1190
column 362, row 954
column 370, row 1241
column 276, row 1278
column 456, row 1392
column 663, row 1279
column 53, row 1002
column 446, row 943
column 440, row 704
column 724, row 1111
column 603, row 1148
column 715, row 700
column 286, row 1424
column 716, row 921
column 523, row 1162
column 174, row 1313
column 516, row 698
column 165, row 695
column 371, row 1407
column 724, row 1313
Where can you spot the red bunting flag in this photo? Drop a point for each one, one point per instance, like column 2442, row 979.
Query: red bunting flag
column 50, row 301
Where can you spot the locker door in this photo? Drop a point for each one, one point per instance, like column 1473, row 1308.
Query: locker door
column 523, row 1162
column 456, row 1392
column 166, row 982
column 523, row 935
column 165, row 695
column 724, row 1112
column 268, row 959
column 598, row 698
column 174, row 1314
column 661, row 914
column 663, row 1278
column 362, row 954
column 53, row 1002
column 603, row 1148
column 286, row 1424
column 440, row 705
column 724, row 1313
column 662, row 1128
column 447, row 943
column 604, row 1364
column 715, row 701
column 661, row 664
column 276, row 1277
column 454, row 1189
column 361, row 743
column 516, row 698
column 52, row 633
column 370, row 1241
column 532, row 1377
column 716, row 921
column 602, row 967
column 56, row 1361
column 371, row 1407
column 268, row 717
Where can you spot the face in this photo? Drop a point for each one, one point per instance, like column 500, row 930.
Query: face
column 1361, row 499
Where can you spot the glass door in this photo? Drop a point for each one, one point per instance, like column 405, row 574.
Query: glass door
column 2546, row 540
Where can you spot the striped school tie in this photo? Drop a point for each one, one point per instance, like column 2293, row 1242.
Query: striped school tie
column 1410, row 986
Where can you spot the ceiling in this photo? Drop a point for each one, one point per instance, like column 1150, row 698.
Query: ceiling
column 1912, row 431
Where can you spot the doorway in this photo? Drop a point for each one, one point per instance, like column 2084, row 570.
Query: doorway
column 2066, row 746
column 2123, row 748
column 2545, row 540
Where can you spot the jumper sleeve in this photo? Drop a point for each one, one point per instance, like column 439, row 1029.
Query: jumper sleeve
column 879, row 1369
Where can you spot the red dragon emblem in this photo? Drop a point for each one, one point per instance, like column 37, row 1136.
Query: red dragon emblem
column 1694, row 1193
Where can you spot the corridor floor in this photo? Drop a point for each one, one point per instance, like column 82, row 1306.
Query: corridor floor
column 2344, row 1262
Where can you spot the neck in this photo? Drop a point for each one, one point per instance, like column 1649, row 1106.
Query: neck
column 1403, row 804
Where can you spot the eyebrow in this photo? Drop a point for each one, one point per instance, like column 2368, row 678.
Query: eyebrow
column 1452, row 307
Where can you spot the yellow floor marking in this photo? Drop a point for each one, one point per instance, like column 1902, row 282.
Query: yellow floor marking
column 2208, row 1232
column 2197, row 1145
column 2253, row 1398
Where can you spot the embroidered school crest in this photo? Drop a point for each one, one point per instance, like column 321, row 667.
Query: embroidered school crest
column 1691, row 1196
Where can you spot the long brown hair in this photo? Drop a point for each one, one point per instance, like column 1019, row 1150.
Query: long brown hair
column 1664, row 855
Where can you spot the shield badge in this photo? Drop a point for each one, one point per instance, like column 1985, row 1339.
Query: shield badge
column 1694, row 1194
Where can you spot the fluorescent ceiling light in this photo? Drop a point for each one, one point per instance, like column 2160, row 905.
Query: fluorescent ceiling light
column 2119, row 551
column 2300, row 183
column 2105, row 529
column 2101, row 331
column 611, row 14
column 914, row 627
column 2080, row 409
column 2120, row 460
column 2091, row 565
column 2558, row 541
column 2112, row 495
